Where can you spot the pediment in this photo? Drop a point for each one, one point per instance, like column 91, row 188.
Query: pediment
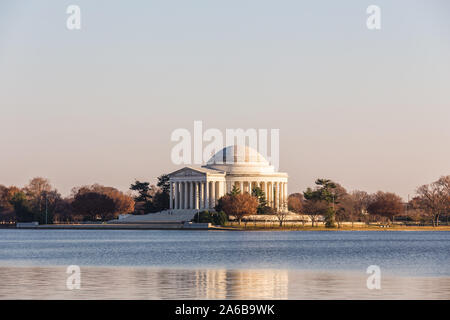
column 187, row 172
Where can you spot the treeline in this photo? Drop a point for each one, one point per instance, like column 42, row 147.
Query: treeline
column 330, row 200
column 39, row 201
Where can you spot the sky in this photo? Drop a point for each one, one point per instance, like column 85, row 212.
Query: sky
column 369, row 109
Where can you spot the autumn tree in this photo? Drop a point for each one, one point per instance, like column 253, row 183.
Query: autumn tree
column 239, row 205
column 36, row 190
column 89, row 205
column 415, row 211
column 43, row 199
column 434, row 198
column 93, row 205
column 386, row 204
column 65, row 212
column 123, row 203
column 295, row 202
column 6, row 195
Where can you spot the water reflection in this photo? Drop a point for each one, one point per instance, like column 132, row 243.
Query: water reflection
column 149, row 283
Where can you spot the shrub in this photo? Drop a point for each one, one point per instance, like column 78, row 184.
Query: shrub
column 216, row 218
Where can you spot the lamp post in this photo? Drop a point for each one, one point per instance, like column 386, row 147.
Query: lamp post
column 46, row 208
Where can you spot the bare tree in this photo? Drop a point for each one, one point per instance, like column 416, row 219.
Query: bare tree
column 295, row 202
column 36, row 191
column 352, row 206
column 314, row 209
column 282, row 214
column 434, row 198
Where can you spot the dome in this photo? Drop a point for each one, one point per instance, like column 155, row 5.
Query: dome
column 239, row 158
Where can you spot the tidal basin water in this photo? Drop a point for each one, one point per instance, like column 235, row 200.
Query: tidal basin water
column 153, row 264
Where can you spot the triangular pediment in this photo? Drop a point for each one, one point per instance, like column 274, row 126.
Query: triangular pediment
column 188, row 172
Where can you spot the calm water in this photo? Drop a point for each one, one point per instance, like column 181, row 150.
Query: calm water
column 210, row 264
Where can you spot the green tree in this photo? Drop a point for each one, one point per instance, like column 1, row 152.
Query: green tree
column 259, row 193
column 235, row 191
column 216, row 218
column 142, row 188
column 163, row 183
column 329, row 192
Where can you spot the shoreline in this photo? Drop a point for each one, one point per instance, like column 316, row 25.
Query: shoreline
column 172, row 226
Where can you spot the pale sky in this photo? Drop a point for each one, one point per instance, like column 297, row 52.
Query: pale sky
column 369, row 109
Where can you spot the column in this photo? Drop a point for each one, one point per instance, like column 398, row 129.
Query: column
column 277, row 195
column 207, row 195
column 186, row 197
column 285, row 195
column 177, row 196
column 275, row 198
column 180, row 201
column 241, row 186
column 280, row 196
column 213, row 194
column 191, row 195
column 201, row 196
column 229, row 187
column 195, row 196
column 272, row 200
column 171, row 195
column 280, row 186
column 221, row 189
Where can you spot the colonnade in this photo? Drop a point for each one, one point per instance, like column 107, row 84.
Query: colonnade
column 203, row 195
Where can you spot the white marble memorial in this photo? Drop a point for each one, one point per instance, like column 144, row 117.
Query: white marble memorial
column 193, row 189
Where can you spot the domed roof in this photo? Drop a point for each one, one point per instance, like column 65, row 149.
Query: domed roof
column 239, row 158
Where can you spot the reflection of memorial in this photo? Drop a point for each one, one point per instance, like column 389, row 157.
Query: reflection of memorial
column 211, row 284
column 232, row 284
column 221, row 284
column 257, row 284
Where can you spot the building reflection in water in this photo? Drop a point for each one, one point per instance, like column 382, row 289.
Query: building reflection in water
column 241, row 284
column 151, row 283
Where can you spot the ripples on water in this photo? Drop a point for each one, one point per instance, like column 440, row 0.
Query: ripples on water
column 223, row 265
